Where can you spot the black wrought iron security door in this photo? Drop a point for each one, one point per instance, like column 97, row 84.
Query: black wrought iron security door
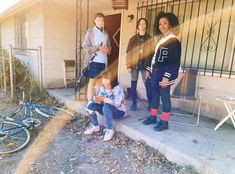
column 207, row 32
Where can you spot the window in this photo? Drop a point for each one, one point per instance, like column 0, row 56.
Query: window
column 21, row 31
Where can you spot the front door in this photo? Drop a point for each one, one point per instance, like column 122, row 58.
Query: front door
column 112, row 26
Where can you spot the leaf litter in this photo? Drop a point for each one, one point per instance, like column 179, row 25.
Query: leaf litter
column 74, row 152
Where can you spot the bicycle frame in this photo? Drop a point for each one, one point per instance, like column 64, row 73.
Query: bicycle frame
column 10, row 119
column 13, row 128
column 28, row 113
column 14, row 133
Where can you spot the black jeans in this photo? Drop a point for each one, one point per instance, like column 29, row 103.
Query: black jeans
column 147, row 84
column 163, row 93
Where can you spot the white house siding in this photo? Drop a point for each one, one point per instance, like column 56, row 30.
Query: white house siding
column 59, row 39
column 34, row 18
column 36, row 30
column 35, row 37
column 7, row 32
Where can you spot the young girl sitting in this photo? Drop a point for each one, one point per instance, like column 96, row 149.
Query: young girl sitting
column 110, row 103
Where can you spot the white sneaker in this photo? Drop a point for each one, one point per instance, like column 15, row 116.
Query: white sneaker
column 108, row 134
column 92, row 130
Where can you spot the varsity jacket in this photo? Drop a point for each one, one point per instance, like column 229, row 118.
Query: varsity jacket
column 139, row 51
column 166, row 60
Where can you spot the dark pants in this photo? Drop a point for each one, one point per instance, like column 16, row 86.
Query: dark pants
column 147, row 84
column 163, row 93
column 109, row 111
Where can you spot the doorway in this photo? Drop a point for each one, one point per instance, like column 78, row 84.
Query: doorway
column 112, row 26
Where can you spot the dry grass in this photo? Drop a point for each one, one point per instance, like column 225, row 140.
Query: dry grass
column 23, row 78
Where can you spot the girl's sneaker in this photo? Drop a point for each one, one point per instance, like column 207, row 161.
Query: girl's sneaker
column 108, row 134
column 92, row 130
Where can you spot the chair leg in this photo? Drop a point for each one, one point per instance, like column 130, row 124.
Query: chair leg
column 187, row 115
column 194, row 108
column 199, row 108
column 199, row 105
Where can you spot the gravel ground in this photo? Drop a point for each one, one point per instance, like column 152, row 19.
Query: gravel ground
column 61, row 148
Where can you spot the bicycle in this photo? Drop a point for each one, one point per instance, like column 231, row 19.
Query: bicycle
column 14, row 134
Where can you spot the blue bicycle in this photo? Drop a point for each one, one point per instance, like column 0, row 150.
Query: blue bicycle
column 14, row 134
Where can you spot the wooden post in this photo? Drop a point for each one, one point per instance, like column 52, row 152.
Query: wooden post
column 40, row 67
column 4, row 73
column 11, row 72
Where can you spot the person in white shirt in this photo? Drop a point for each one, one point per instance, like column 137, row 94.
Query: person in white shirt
column 96, row 43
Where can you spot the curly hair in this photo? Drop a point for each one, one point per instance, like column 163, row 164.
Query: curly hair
column 173, row 20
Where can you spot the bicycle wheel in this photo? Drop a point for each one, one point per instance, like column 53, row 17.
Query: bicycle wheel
column 13, row 137
column 54, row 112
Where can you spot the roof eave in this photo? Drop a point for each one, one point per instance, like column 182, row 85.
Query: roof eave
column 21, row 5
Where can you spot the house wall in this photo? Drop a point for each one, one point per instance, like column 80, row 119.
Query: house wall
column 213, row 86
column 35, row 26
column 7, row 32
column 195, row 34
column 52, row 26
column 59, row 40
column 34, row 17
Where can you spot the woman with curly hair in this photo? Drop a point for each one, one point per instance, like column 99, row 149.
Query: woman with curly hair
column 164, row 68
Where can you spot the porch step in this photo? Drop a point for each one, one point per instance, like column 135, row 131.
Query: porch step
column 208, row 151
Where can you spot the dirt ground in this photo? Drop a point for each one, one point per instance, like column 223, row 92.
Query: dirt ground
column 71, row 152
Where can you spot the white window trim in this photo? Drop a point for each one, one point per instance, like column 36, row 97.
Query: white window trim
column 23, row 32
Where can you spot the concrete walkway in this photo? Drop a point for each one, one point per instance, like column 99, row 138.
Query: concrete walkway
column 208, row 151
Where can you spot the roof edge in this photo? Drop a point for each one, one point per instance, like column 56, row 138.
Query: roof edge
column 21, row 5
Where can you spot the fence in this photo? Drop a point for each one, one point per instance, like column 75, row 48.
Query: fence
column 31, row 61
column 3, row 80
column 207, row 32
